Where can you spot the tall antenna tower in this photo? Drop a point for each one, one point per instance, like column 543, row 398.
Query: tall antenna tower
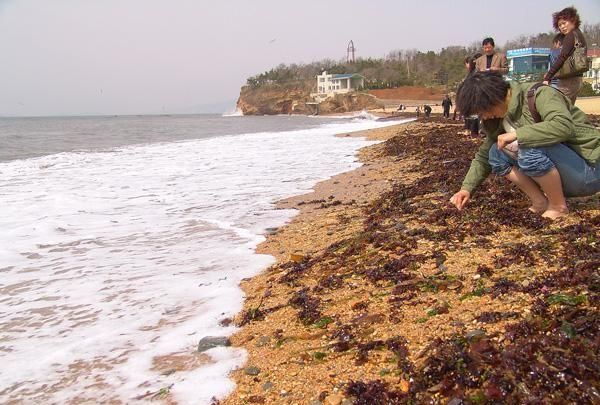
column 350, row 52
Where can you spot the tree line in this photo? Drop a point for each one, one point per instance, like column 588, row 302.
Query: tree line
column 407, row 67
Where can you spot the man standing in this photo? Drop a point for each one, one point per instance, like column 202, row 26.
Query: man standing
column 491, row 61
column 446, row 104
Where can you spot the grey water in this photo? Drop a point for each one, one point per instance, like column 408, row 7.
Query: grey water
column 22, row 138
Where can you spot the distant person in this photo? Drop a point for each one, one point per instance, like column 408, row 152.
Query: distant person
column 427, row 110
column 471, row 121
column 491, row 61
column 558, row 156
column 567, row 22
column 446, row 105
column 418, row 111
column 554, row 53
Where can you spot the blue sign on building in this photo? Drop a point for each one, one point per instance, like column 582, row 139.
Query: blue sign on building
column 527, row 51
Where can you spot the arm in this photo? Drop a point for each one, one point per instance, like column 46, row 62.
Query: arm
column 568, row 46
column 479, row 169
column 557, row 123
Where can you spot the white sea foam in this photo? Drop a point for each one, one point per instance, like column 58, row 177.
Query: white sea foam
column 236, row 113
column 110, row 260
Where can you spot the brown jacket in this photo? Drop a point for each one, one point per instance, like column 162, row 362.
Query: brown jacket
column 498, row 61
column 567, row 48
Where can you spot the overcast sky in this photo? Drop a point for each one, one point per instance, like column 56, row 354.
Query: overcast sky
column 73, row 57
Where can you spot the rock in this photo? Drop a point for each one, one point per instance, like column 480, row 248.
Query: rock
column 334, row 399
column 210, row 342
column 296, row 258
column 252, row 370
column 271, row 231
column 475, row 334
column 267, row 386
column 404, row 385
column 262, row 341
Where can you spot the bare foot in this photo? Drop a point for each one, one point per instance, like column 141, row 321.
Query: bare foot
column 539, row 207
column 555, row 212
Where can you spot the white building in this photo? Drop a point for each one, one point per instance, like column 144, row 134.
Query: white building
column 328, row 85
column 593, row 75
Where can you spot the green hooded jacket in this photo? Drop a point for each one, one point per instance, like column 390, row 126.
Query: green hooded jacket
column 562, row 122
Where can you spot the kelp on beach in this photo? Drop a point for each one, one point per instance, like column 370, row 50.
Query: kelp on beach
column 428, row 304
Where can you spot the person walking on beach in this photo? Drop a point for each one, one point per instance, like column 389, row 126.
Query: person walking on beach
column 491, row 61
column 446, row 104
column 558, row 151
column 567, row 22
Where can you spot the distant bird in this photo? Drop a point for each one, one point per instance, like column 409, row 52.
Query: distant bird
column 273, row 40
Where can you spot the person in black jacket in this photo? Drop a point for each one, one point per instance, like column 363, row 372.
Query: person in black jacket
column 427, row 110
column 446, row 104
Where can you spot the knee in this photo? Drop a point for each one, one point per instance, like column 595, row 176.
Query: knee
column 499, row 162
column 534, row 162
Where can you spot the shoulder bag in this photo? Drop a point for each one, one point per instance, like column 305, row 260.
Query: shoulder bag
column 576, row 64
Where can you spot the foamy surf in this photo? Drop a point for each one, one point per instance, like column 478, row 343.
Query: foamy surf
column 237, row 113
column 115, row 264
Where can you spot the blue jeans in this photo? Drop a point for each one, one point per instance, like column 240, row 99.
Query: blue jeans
column 577, row 176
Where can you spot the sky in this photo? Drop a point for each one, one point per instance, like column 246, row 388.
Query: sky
column 104, row 57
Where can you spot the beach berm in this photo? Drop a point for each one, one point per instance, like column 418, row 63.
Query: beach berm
column 385, row 294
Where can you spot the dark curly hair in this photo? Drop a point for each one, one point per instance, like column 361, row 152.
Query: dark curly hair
column 480, row 92
column 569, row 13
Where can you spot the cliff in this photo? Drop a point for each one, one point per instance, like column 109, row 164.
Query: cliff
column 275, row 99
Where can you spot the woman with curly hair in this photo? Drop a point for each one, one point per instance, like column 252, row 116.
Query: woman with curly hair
column 567, row 22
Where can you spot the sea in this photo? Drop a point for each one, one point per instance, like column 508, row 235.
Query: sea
column 123, row 240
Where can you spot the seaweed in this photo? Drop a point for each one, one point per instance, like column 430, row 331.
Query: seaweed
column 374, row 393
column 295, row 270
column 308, row 305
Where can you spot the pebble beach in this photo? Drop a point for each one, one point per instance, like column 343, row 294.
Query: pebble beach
column 383, row 293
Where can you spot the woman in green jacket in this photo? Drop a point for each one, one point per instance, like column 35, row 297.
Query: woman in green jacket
column 558, row 156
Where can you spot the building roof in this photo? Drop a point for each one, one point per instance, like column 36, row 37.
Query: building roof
column 593, row 53
column 345, row 76
column 514, row 53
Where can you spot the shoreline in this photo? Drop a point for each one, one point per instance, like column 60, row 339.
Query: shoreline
column 376, row 275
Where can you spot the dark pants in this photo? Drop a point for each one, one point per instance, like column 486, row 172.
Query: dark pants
column 447, row 112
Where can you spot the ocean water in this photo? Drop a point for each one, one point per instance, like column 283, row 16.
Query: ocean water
column 123, row 241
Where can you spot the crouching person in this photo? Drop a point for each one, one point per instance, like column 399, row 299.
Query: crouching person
column 556, row 154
